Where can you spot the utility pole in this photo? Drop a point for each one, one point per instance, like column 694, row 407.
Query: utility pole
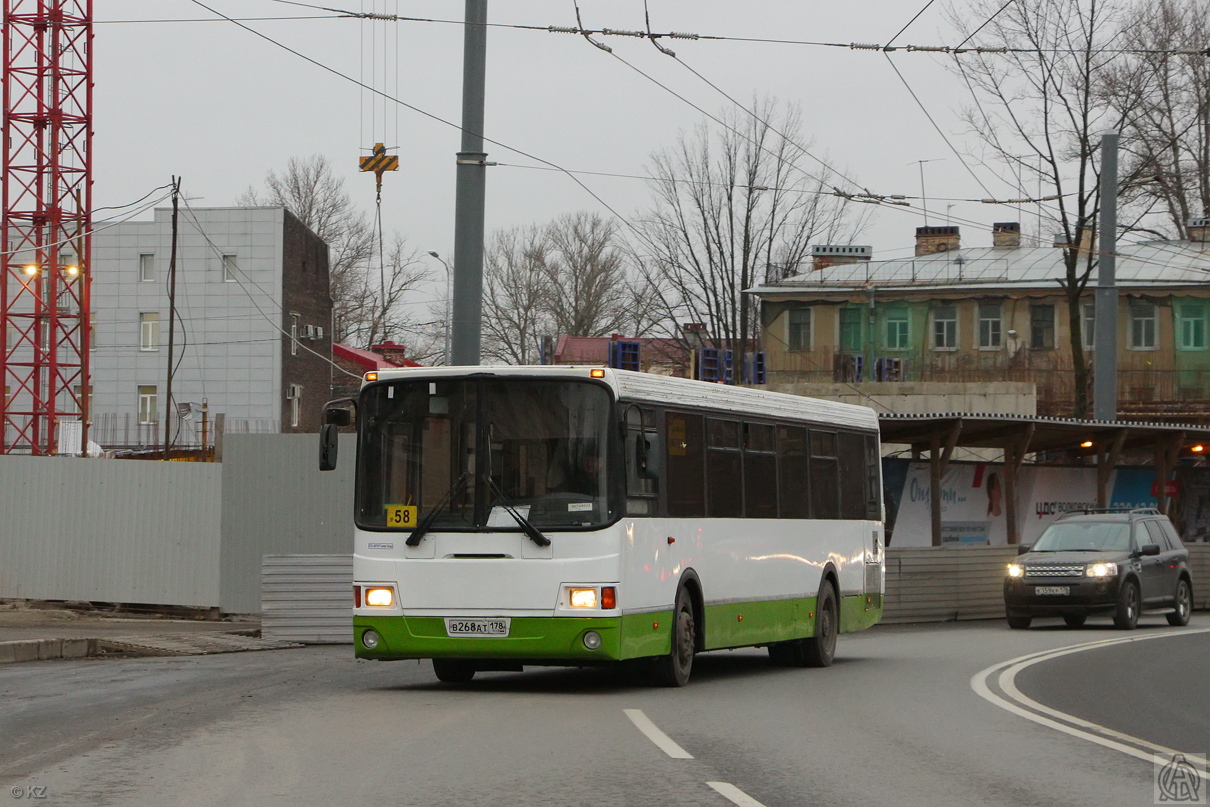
column 471, row 190
column 1105, row 326
column 167, row 407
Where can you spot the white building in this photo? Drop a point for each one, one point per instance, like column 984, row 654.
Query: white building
column 252, row 303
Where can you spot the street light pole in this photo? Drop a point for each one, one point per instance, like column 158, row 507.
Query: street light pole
column 448, row 296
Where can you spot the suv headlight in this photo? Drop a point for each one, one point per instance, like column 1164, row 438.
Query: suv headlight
column 1102, row 570
column 1015, row 570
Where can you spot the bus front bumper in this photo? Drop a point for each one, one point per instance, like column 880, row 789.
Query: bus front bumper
column 555, row 640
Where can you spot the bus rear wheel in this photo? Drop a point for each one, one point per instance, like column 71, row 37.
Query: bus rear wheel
column 674, row 669
column 818, row 650
column 453, row 671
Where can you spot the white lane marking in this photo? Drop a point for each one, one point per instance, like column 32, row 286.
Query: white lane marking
column 643, row 723
column 735, row 795
column 1104, row 736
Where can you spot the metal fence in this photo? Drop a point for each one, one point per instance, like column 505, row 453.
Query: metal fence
column 307, row 598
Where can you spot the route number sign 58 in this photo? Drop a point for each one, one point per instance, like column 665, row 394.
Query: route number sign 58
column 401, row 515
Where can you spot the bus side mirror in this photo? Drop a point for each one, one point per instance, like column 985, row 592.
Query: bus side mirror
column 649, row 461
column 329, row 445
column 337, row 416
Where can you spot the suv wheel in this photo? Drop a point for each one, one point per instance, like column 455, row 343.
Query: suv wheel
column 1183, row 603
column 1127, row 615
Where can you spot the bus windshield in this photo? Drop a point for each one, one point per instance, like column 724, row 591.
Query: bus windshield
column 470, row 446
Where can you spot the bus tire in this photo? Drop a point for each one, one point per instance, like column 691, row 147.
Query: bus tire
column 820, row 649
column 453, row 671
column 674, row 669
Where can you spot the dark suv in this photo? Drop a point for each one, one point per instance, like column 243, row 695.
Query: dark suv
column 1101, row 562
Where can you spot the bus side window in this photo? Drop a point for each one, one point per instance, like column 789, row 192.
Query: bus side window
column 825, row 476
column 685, row 454
column 643, row 457
column 852, row 469
column 760, row 471
column 873, row 485
column 724, row 470
column 793, row 472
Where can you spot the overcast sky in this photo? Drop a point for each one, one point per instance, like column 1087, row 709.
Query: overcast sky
column 221, row 106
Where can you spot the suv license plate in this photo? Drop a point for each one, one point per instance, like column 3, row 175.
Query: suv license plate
column 496, row 628
column 1061, row 591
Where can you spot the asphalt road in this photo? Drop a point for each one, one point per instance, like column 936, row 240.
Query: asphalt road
column 894, row 722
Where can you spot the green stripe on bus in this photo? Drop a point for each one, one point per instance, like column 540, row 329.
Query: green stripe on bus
column 553, row 638
column 743, row 624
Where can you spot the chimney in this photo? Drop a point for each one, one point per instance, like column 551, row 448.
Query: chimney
column 936, row 239
column 390, row 351
column 1199, row 230
column 825, row 255
column 1006, row 234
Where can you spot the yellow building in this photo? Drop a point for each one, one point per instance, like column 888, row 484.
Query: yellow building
column 995, row 314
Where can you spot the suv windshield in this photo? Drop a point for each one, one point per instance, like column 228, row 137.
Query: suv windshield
column 1084, row 536
column 543, row 443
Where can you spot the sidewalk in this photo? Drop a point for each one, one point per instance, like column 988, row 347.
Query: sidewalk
column 31, row 634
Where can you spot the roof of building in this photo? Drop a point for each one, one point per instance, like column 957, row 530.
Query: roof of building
column 1152, row 263
column 595, row 349
column 368, row 358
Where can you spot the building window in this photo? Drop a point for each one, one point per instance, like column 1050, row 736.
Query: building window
column 147, row 405
column 989, row 326
column 945, row 327
column 850, row 330
column 1041, row 327
column 146, row 268
column 1191, row 326
column 798, row 330
column 897, row 330
column 1142, row 326
column 229, row 269
column 149, row 331
column 1088, row 325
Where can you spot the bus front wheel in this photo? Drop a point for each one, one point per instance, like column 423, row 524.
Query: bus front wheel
column 673, row 670
column 453, row 671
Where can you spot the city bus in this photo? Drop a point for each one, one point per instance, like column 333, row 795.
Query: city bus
column 581, row 516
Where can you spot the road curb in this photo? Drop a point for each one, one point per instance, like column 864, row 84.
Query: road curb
column 43, row 649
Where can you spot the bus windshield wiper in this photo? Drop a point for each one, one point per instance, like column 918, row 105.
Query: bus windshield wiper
column 423, row 527
column 529, row 529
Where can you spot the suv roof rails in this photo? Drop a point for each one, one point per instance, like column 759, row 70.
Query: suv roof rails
column 1132, row 511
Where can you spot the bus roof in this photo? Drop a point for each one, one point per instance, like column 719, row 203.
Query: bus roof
column 669, row 391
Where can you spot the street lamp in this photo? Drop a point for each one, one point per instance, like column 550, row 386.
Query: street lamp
column 448, row 297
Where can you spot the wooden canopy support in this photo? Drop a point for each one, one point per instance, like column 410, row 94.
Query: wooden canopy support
column 1166, row 452
column 939, row 458
column 1107, row 460
column 1014, row 455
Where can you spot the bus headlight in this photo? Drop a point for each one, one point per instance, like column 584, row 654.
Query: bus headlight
column 582, row 597
column 381, row 597
column 1102, row 570
column 1015, row 570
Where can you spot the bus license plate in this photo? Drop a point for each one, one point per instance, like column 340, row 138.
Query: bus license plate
column 1061, row 591
column 477, row 627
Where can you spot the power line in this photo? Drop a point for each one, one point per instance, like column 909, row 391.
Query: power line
column 986, row 22
column 909, row 24
column 415, row 108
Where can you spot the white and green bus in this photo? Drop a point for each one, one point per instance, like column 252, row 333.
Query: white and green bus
column 510, row 516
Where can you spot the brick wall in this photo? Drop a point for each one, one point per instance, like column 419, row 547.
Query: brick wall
column 306, row 302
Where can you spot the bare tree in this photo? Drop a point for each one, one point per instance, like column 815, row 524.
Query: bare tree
column 731, row 202
column 382, row 315
column 1162, row 93
column 1045, row 99
column 587, row 291
column 515, row 282
column 310, row 190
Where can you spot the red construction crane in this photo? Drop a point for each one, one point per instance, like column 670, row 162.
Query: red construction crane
column 44, row 235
